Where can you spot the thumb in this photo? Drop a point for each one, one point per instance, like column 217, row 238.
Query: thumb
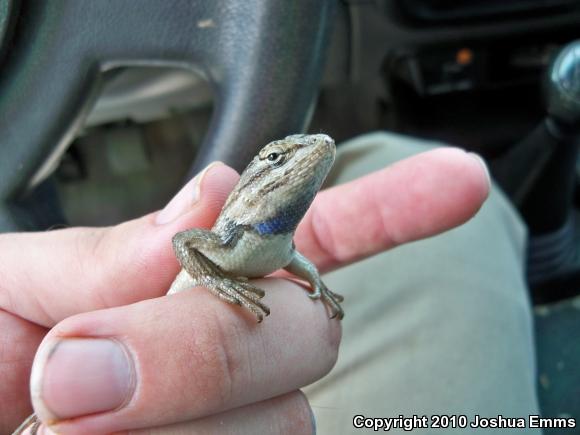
column 48, row 276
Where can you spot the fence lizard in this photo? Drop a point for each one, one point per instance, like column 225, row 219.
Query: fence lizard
column 252, row 236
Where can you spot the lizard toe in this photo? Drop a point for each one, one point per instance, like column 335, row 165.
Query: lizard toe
column 252, row 288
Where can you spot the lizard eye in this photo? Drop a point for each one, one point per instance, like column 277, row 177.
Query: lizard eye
column 276, row 159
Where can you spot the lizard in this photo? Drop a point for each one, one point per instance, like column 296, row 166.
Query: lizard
column 253, row 234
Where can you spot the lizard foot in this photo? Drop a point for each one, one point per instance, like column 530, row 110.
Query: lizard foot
column 240, row 292
column 332, row 299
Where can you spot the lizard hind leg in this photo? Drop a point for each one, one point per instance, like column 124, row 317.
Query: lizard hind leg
column 303, row 268
column 321, row 291
column 330, row 298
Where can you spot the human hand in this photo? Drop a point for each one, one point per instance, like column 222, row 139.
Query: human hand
column 119, row 357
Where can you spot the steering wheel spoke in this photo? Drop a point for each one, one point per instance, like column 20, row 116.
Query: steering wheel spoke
column 263, row 58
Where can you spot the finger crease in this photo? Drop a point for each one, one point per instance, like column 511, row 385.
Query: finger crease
column 228, row 363
column 383, row 216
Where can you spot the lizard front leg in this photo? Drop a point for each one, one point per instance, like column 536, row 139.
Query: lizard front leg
column 199, row 270
column 303, row 268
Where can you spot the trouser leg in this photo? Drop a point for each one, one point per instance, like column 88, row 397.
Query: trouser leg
column 438, row 326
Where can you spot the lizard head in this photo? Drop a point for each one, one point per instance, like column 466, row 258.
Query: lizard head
column 299, row 159
column 281, row 181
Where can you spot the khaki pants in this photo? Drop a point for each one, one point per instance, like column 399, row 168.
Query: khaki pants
column 438, row 326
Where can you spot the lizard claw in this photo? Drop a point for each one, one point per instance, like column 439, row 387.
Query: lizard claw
column 242, row 293
column 339, row 298
column 332, row 299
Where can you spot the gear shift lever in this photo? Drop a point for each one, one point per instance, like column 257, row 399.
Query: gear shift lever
column 548, row 204
column 563, row 86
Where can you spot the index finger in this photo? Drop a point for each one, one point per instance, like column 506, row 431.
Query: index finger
column 412, row 199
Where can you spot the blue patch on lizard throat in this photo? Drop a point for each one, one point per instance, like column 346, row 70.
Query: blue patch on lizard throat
column 286, row 220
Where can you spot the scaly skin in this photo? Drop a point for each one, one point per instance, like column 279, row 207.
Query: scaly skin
column 252, row 236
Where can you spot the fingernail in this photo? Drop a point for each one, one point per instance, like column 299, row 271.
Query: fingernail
column 78, row 376
column 186, row 198
column 484, row 166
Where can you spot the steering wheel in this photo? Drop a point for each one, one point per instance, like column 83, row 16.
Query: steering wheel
column 263, row 58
